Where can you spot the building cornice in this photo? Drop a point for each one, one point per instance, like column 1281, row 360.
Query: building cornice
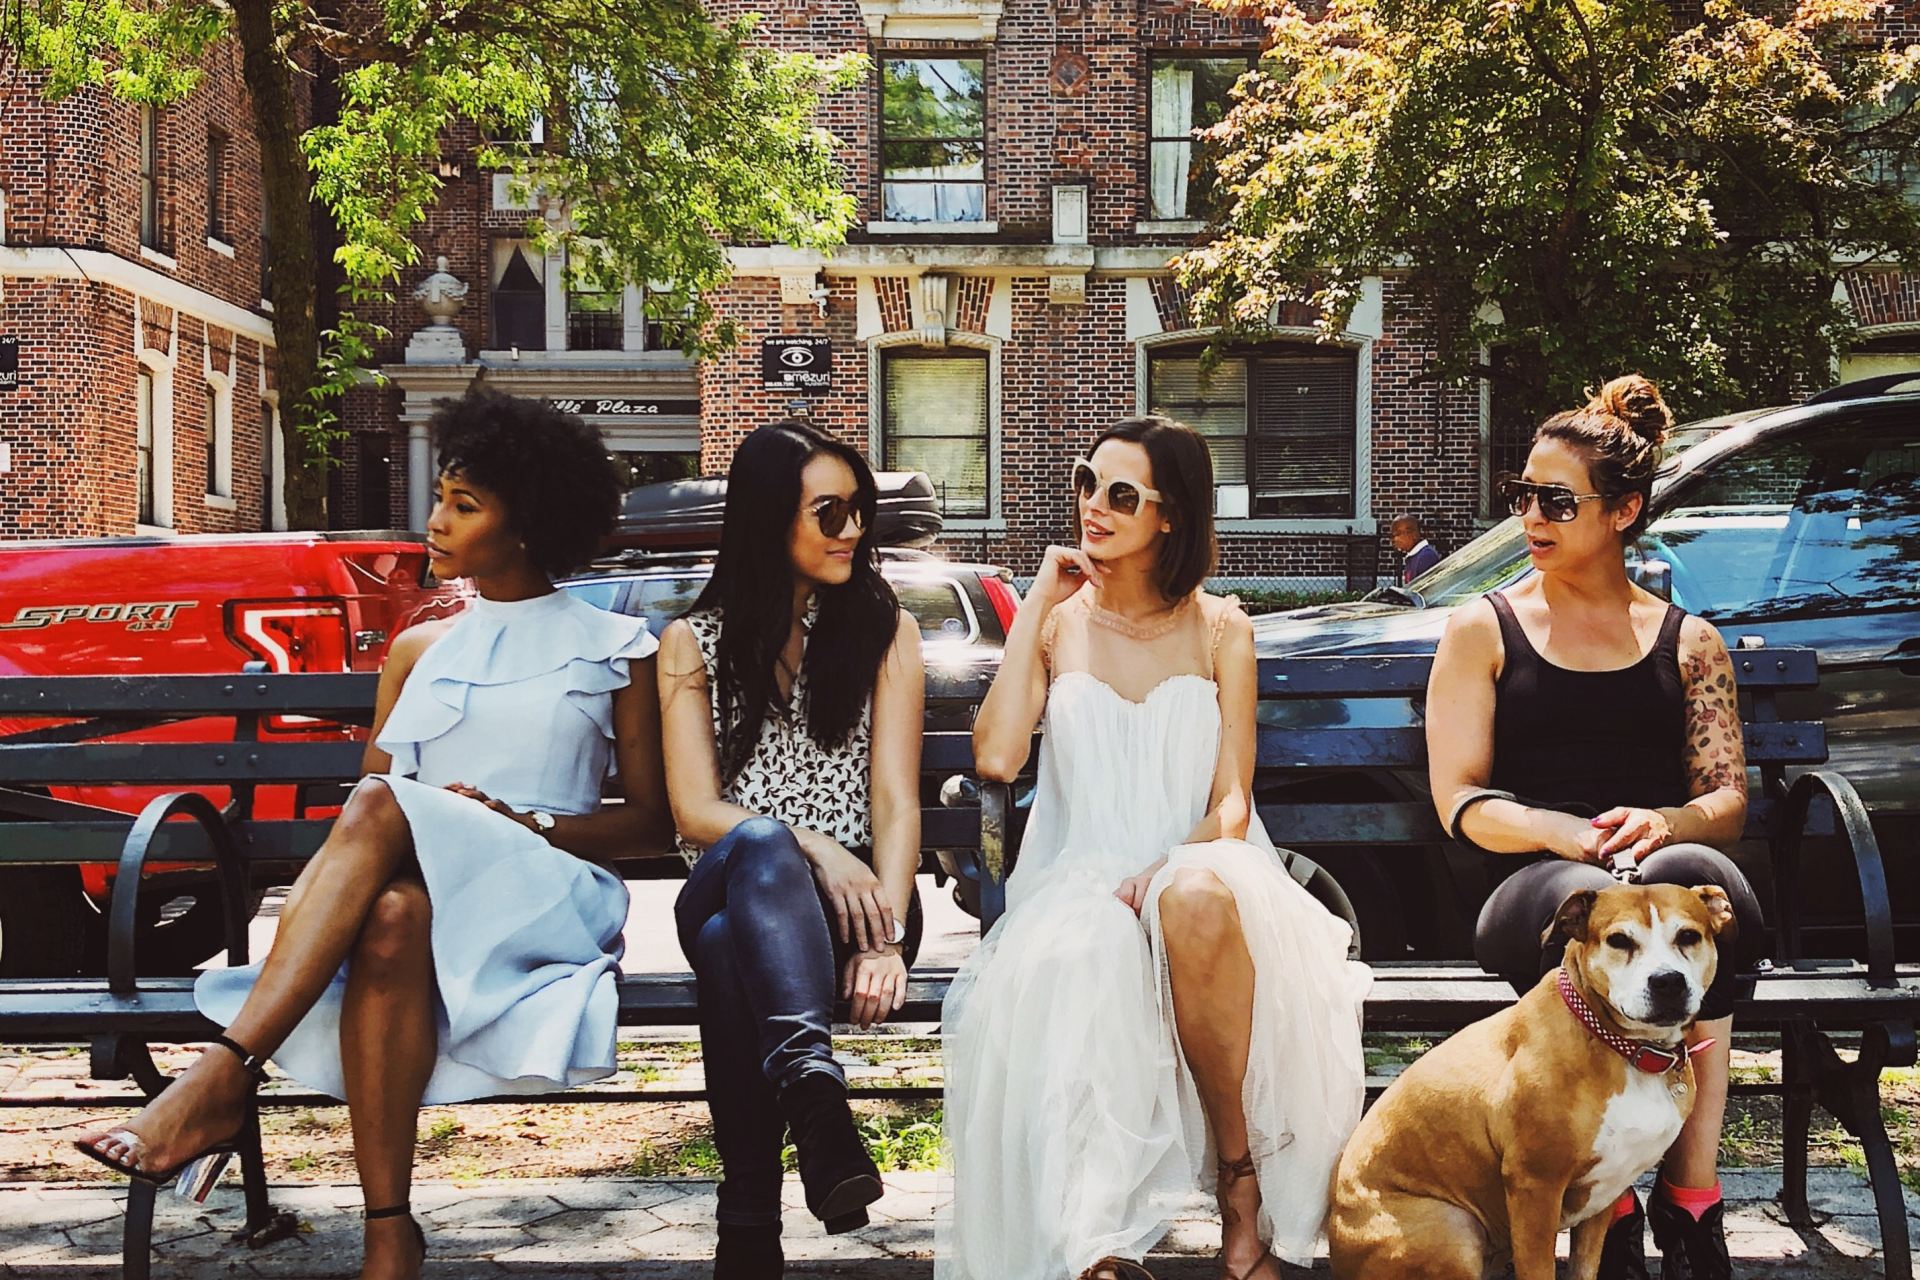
column 96, row 266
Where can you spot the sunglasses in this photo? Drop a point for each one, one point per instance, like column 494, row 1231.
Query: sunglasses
column 1122, row 496
column 834, row 512
column 1557, row 502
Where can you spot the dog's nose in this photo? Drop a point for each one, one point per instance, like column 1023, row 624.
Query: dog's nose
column 1668, row 984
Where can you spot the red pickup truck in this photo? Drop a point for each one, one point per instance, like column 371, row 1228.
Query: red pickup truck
column 176, row 606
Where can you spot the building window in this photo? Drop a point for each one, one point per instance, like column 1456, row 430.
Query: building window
column 1279, row 423
column 267, row 415
column 519, row 298
column 266, row 245
column 219, row 443
column 144, row 483
column 1187, row 94
column 217, row 184
column 596, row 312
column 933, row 140
column 1509, row 429
column 150, row 176
column 936, row 418
column 376, row 479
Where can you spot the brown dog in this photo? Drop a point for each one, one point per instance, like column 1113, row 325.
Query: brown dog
column 1535, row 1120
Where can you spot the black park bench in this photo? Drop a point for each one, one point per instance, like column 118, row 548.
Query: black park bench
column 1870, row 1002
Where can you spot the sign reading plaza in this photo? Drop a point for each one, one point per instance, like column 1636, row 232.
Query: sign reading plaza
column 613, row 407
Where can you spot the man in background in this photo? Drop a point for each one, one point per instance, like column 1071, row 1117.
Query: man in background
column 1409, row 542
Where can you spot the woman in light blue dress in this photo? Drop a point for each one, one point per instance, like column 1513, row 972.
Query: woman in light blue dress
column 454, row 937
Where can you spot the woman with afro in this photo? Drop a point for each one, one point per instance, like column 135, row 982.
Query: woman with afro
column 456, row 936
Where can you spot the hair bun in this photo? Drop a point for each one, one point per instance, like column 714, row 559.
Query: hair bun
column 1634, row 400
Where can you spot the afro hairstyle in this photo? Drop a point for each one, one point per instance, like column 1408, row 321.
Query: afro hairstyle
column 551, row 470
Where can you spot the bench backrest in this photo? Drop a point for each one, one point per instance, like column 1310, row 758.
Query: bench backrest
column 1316, row 715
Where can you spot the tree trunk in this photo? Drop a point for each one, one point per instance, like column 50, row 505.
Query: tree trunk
column 294, row 266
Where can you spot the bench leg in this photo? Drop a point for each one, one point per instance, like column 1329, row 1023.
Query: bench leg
column 1796, row 1124
column 264, row 1224
column 136, row 1245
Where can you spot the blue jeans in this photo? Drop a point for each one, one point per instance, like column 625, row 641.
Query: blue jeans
column 754, row 927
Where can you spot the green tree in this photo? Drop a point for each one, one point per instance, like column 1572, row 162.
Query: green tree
column 1587, row 187
column 674, row 135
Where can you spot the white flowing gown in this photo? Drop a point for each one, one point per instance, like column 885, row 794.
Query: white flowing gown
column 1074, row 1126
column 517, row 700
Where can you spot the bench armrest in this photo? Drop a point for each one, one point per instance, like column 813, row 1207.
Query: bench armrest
column 123, row 912
column 1790, row 828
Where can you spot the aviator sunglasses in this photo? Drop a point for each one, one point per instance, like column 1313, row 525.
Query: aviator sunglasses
column 1557, row 502
column 833, row 513
column 1123, row 496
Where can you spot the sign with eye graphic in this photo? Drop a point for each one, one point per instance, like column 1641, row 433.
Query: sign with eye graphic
column 796, row 363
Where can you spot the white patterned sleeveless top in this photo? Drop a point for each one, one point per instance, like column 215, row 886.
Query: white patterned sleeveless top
column 790, row 777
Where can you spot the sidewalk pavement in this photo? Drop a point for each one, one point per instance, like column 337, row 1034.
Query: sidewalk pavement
column 608, row 1229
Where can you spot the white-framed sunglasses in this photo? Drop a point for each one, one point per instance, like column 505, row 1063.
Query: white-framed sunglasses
column 1123, row 496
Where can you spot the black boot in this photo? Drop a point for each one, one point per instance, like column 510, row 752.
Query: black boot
column 1689, row 1250
column 1624, row 1255
column 840, row 1177
column 748, row 1253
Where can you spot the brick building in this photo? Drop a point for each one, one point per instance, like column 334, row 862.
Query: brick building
column 1024, row 171
column 134, row 341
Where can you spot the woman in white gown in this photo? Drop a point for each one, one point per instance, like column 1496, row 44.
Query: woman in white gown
column 1161, row 996
column 454, row 937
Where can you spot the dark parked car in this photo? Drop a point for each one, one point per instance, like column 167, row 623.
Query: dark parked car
column 1792, row 526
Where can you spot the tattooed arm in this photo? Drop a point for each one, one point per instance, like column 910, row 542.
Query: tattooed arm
column 1715, row 755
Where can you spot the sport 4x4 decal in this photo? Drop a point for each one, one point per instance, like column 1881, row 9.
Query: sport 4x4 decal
column 153, row 615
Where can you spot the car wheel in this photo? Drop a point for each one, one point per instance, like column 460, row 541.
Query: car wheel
column 44, row 916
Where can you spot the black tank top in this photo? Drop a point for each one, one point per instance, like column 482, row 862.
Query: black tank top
column 1585, row 741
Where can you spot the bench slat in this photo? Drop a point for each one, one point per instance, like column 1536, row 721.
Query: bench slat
column 182, row 763
column 1404, row 997
column 63, row 696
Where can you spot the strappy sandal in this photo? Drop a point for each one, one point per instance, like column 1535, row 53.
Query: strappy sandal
column 197, row 1174
column 402, row 1210
column 1111, row 1268
column 1228, row 1172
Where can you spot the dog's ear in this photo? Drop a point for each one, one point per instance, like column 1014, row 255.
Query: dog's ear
column 1570, row 921
column 1720, row 915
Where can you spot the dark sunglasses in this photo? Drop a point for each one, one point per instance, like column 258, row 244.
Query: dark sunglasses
column 1557, row 502
column 834, row 512
column 1123, row 496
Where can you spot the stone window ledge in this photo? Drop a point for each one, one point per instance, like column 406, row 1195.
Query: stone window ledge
column 220, row 246
column 931, row 19
column 933, row 228
column 217, row 503
column 1363, row 528
column 1170, row 227
column 158, row 258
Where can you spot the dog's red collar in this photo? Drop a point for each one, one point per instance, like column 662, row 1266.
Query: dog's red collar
column 1651, row 1058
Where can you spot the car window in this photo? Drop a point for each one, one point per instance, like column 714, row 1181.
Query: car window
column 666, row 598
column 1489, row 561
column 1812, row 524
column 940, row 608
column 601, row 595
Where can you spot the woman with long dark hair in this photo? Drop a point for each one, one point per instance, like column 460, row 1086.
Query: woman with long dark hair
column 455, row 937
column 791, row 699
column 1162, row 1006
column 1576, row 722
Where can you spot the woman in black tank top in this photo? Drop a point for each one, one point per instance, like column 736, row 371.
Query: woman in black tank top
column 1576, row 722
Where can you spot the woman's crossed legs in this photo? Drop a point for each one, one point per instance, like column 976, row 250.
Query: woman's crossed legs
column 355, row 901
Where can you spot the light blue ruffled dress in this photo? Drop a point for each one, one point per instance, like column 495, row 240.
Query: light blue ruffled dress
column 515, row 699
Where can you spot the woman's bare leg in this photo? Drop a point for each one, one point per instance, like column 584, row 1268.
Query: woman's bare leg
column 1694, row 1158
column 1212, row 974
column 325, row 911
column 388, row 1043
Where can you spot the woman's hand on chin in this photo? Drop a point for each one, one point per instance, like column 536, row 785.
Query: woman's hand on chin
column 874, row 985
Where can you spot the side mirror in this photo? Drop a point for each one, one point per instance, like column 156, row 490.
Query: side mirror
column 1653, row 574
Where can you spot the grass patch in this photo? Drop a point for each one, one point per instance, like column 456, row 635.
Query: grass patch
column 696, row 1157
